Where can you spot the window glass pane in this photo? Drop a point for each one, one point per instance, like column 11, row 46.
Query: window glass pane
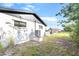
column 19, row 23
column 40, row 27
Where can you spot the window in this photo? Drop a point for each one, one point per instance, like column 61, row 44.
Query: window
column 19, row 23
column 37, row 33
column 40, row 27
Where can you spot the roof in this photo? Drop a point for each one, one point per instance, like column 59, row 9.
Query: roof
column 7, row 10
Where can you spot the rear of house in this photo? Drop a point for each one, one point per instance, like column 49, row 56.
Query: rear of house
column 20, row 26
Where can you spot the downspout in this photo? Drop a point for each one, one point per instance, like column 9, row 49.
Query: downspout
column 35, row 27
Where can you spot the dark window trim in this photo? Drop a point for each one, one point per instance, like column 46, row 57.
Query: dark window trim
column 19, row 23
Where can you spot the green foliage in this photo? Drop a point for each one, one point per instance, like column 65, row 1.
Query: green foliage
column 67, row 29
column 1, row 47
column 10, row 42
column 71, row 13
column 75, row 34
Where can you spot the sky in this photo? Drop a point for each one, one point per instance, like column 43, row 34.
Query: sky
column 46, row 11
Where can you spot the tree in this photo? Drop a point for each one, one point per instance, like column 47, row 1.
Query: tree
column 71, row 12
column 67, row 28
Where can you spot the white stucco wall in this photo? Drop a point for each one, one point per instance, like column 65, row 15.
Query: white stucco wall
column 10, row 30
column 32, row 24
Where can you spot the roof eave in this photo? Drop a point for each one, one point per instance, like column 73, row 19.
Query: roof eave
column 20, row 12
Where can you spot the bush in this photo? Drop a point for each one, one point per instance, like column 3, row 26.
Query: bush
column 75, row 39
column 75, row 34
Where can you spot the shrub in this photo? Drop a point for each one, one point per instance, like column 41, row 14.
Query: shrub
column 75, row 39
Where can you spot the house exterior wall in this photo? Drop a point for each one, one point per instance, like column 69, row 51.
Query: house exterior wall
column 33, row 24
column 7, row 26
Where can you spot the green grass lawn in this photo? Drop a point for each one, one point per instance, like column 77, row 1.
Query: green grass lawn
column 61, row 35
column 48, row 47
